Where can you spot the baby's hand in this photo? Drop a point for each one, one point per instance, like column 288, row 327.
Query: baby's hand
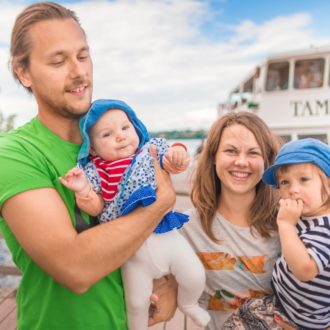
column 77, row 181
column 178, row 157
column 290, row 211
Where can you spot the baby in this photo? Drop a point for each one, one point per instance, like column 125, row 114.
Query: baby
column 301, row 276
column 115, row 175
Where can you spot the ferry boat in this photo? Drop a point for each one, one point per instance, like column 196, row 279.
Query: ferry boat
column 290, row 91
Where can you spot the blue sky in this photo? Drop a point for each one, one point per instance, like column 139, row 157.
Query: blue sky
column 234, row 11
column 174, row 61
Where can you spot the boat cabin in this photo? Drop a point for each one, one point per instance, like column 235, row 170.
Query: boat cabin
column 290, row 91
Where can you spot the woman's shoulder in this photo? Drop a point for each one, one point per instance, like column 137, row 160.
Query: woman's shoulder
column 194, row 224
column 192, row 214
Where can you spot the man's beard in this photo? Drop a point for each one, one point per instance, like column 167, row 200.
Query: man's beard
column 69, row 112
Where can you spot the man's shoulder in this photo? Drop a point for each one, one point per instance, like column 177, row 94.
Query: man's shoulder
column 16, row 135
column 21, row 143
column 11, row 139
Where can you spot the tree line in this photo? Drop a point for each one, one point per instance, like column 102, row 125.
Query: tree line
column 6, row 123
column 180, row 134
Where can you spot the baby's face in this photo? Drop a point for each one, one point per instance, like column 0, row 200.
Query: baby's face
column 302, row 181
column 113, row 137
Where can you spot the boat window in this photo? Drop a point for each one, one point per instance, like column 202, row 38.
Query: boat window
column 277, row 76
column 321, row 137
column 248, row 86
column 309, row 73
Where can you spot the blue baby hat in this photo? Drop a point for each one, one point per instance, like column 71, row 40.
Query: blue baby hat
column 97, row 109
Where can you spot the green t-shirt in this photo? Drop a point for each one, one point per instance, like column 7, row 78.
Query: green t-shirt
column 33, row 157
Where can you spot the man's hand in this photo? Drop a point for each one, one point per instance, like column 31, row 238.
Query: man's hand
column 165, row 190
column 163, row 300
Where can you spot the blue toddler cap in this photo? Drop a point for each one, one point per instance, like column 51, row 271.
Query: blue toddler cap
column 298, row 152
column 95, row 112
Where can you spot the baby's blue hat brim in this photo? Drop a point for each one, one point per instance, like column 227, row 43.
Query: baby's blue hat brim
column 298, row 152
column 97, row 109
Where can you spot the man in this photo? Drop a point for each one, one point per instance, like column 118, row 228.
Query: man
column 71, row 278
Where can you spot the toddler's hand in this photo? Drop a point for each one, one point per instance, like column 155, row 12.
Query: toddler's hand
column 77, row 181
column 290, row 211
column 178, row 157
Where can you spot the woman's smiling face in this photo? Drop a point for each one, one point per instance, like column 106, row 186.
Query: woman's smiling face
column 239, row 161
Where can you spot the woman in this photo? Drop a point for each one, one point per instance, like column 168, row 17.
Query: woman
column 233, row 225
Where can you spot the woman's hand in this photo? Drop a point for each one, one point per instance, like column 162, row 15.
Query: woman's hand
column 163, row 300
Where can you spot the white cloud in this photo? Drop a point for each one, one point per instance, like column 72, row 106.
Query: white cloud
column 154, row 55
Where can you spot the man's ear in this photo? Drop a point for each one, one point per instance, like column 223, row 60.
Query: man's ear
column 23, row 76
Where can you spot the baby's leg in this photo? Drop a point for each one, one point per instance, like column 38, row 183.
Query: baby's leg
column 138, row 282
column 190, row 275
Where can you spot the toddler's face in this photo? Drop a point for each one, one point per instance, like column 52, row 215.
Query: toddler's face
column 113, row 137
column 302, row 181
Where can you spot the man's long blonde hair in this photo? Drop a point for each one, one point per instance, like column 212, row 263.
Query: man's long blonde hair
column 206, row 188
column 21, row 45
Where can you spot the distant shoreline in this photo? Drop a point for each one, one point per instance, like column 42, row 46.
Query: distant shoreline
column 181, row 134
column 192, row 144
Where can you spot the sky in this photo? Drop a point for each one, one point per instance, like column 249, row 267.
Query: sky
column 174, row 61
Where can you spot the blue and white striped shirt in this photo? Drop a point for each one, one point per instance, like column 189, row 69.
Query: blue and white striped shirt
column 307, row 303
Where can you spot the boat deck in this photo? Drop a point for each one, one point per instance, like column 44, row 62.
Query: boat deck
column 8, row 315
column 7, row 309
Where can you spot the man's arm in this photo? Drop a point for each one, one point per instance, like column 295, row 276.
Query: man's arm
column 41, row 223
